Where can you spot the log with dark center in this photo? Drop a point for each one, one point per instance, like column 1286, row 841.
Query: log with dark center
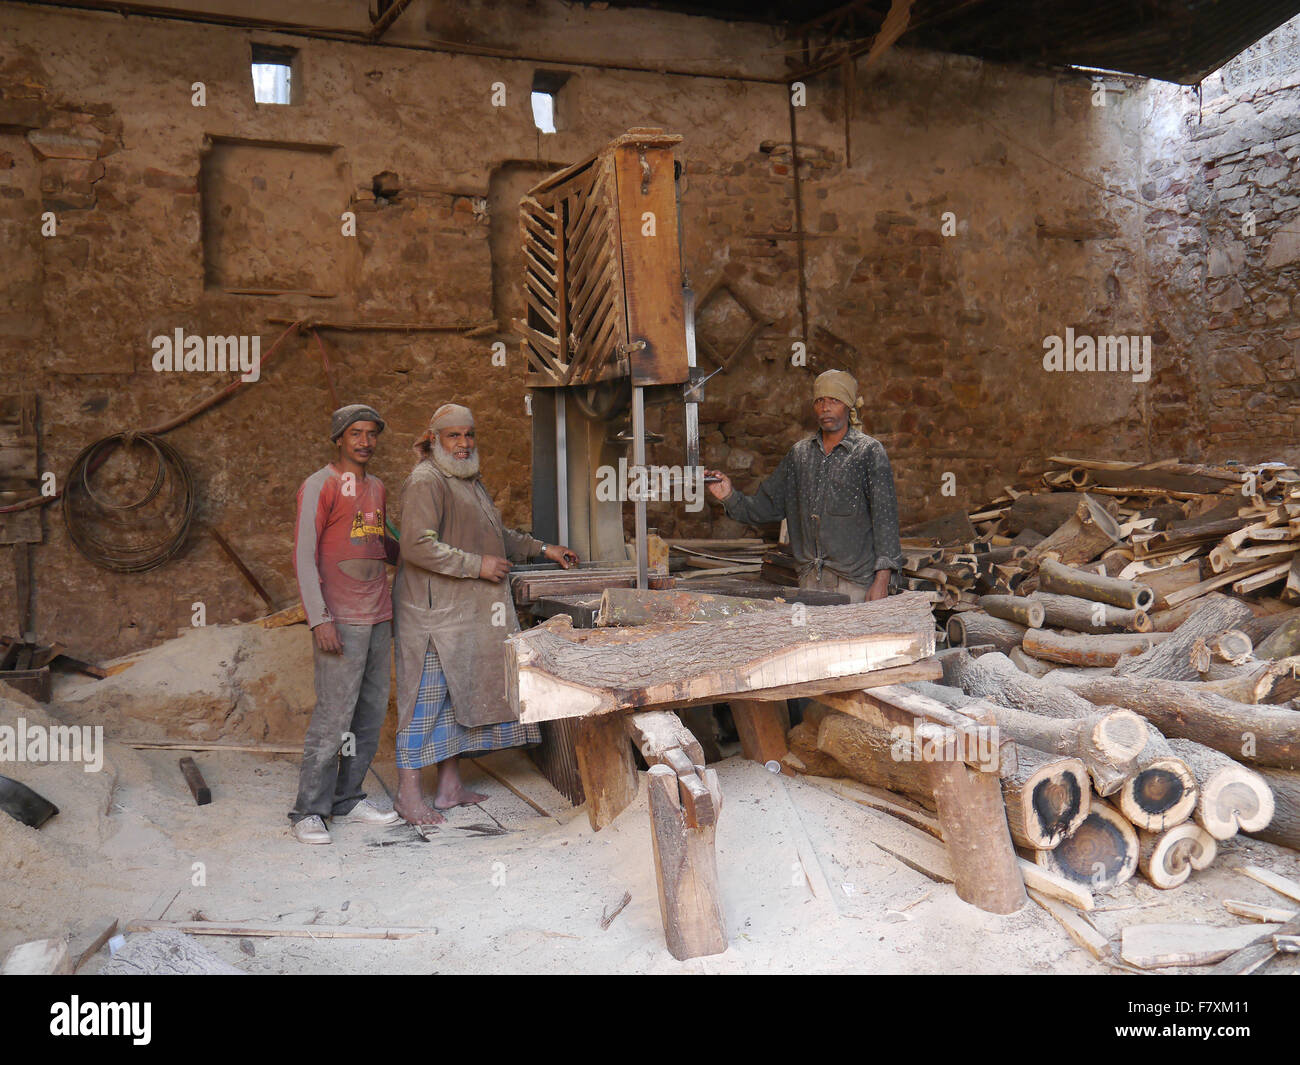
column 1087, row 615
column 1162, row 793
column 1101, row 853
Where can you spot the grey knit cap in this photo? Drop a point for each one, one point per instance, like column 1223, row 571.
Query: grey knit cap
column 353, row 412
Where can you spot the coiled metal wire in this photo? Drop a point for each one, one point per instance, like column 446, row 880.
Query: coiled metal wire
column 136, row 536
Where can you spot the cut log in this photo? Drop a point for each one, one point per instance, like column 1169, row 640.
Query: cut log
column 1022, row 611
column 803, row 756
column 972, row 629
column 1081, row 538
column 1087, row 615
column 1159, row 946
column 1101, row 853
column 1257, row 735
column 1162, row 793
column 1041, row 512
column 632, row 606
column 1084, row 650
column 1232, row 646
column 605, row 764
column 556, row 671
column 1108, row 744
column 969, row 804
column 686, row 869
column 1282, row 642
column 1170, row 659
column 875, row 754
column 1047, row 798
column 1284, row 828
column 1168, row 858
column 1065, row 580
column 762, row 727
column 1026, row 663
column 1232, row 798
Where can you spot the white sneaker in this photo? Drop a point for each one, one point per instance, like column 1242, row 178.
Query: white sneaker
column 367, row 813
column 311, row 830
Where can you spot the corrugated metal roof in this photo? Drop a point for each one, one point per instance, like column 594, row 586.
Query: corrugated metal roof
column 1174, row 40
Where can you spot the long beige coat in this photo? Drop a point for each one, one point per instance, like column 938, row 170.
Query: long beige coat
column 439, row 596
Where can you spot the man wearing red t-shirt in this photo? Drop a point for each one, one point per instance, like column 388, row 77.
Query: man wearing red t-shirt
column 340, row 549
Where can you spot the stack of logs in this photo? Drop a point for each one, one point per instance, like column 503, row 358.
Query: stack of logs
column 1149, row 708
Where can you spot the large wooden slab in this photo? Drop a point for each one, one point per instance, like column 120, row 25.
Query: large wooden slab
column 555, row 671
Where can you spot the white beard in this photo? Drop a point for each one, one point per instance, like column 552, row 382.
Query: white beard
column 465, row 469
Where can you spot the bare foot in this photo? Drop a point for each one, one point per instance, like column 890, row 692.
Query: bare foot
column 462, row 796
column 415, row 810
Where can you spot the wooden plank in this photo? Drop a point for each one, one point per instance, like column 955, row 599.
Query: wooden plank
column 275, row 931
column 250, row 748
column 556, row 671
column 1159, row 946
column 609, row 778
column 89, row 944
column 1078, row 928
column 198, row 786
column 1282, row 885
column 686, row 870
column 762, row 726
column 1255, row 912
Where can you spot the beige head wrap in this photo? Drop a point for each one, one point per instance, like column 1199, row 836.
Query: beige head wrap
column 842, row 386
column 447, row 416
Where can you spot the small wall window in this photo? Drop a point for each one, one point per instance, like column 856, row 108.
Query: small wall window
column 273, row 69
column 546, row 99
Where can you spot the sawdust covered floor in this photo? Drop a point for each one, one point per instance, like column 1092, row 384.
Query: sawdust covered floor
column 506, row 889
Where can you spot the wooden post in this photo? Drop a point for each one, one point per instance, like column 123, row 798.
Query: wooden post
column 606, row 767
column 974, row 823
column 762, row 727
column 685, row 868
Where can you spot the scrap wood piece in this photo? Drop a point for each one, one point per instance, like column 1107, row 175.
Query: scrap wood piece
column 1159, row 946
column 686, row 869
column 194, row 778
column 555, row 671
column 1259, row 952
column 1253, row 911
column 93, row 944
column 290, row 615
column 1279, row 883
column 293, row 931
column 23, row 804
column 1077, row 927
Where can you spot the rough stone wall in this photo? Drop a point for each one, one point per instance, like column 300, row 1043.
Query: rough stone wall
column 168, row 214
column 1224, row 244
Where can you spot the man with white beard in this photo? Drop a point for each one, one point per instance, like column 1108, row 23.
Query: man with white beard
column 453, row 611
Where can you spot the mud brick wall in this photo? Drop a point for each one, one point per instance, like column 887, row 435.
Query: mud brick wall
column 220, row 219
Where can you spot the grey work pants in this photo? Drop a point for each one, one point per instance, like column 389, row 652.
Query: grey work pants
column 341, row 740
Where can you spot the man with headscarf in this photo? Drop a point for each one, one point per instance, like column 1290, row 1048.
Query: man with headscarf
column 454, row 611
column 836, row 492
column 340, row 549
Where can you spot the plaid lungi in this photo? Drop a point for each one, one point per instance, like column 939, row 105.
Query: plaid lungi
column 434, row 734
